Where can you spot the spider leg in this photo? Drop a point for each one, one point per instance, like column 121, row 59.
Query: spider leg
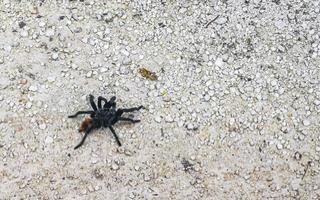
column 80, row 113
column 93, row 104
column 100, row 99
column 89, row 129
column 128, row 120
column 115, row 135
column 132, row 109
column 110, row 103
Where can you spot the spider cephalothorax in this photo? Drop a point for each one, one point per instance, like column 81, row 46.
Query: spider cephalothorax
column 103, row 116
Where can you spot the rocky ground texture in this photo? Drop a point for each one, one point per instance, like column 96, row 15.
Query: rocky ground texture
column 234, row 113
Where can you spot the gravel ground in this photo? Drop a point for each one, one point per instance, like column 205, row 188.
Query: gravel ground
column 234, row 113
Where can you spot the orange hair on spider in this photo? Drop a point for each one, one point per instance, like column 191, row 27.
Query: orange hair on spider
column 85, row 123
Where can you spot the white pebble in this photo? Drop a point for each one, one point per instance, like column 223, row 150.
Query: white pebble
column 157, row 119
column 168, row 119
column 190, row 126
column 306, row 122
column 316, row 102
column 208, row 83
column 206, row 97
column 147, row 178
column 42, row 126
column 28, row 105
column 50, row 32
column 114, row 166
column 124, row 52
column 90, row 188
column 221, row 20
column 33, row 88
column 180, row 123
column 24, row 33
column 103, row 69
column 55, row 56
column 48, row 140
column 279, row 146
column 219, row 62
column 89, row 74
column 51, row 79
column 42, row 24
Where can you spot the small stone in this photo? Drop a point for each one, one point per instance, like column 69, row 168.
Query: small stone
column 125, row 52
column 207, row 97
column 90, row 188
column 33, row 88
column 50, row 32
column 280, row 24
column 28, row 105
column 1, row 98
column 147, row 178
column 274, row 82
column 168, row 119
column 55, row 56
column 89, row 74
column 1, row 60
column 180, row 123
column 198, row 70
column 42, row 126
column 115, row 166
column 318, row 148
column 208, row 83
column 316, row 102
column 24, row 33
column 51, row 79
column 279, row 146
column 190, row 126
column 221, row 20
column 94, row 160
column 85, row 40
column 78, row 30
column 306, row 122
column 23, row 81
column 103, row 69
column 131, row 195
column 157, row 119
column 108, row 17
column 42, row 24
column 48, row 140
column 84, row 192
column 97, row 188
column 219, row 62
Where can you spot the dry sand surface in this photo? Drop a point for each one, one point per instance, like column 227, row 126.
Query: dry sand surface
column 233, row 114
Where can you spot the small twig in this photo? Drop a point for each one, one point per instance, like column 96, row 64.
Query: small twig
column 210, row 22
column 306, row 169
column 70, row 29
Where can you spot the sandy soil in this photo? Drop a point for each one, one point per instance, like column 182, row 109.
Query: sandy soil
column 233, row 114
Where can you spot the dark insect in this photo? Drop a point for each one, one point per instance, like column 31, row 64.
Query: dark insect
column 103, row 116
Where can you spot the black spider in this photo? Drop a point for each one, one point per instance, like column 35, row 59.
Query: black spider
column 104, row 116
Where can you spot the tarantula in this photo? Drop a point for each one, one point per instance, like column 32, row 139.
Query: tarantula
column 103, row 116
